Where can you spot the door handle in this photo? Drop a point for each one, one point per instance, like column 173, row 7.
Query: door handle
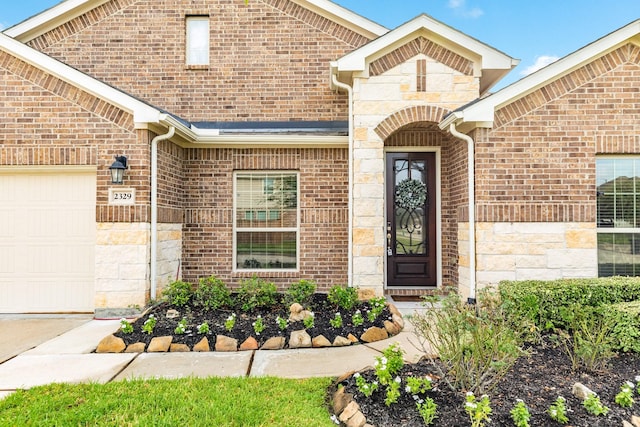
column 389, row 250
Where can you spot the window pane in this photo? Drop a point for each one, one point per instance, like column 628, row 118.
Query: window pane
column 198, row 41
column 618, row 192
column 264, row 250
column 618, row 254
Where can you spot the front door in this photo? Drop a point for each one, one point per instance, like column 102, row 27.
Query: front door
column 411, row 220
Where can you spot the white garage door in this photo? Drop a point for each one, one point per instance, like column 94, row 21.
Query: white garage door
column 47, row 240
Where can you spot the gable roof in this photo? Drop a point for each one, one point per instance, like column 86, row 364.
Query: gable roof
column 492, row 64
column 480, row 113
column 65, row 11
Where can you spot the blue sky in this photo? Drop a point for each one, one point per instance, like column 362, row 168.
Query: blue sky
column 534, row 31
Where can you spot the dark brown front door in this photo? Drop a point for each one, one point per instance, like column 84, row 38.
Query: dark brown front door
column 411, row 220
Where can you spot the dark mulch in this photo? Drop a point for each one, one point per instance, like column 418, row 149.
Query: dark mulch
column 537, row 379
column 323, row 310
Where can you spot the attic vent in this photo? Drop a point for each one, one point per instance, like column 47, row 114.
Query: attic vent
column 421, row 75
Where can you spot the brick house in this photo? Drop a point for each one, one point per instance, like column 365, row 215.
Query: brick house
column 294, row 139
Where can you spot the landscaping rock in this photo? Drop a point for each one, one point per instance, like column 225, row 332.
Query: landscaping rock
column 179, row 348
column 391, row 327
column 393, row 309
column 111, row 344
column 224, row 343
column 341, row 400
column 202, row 345
column 341, row 341
column 349, row 411
column 295, row 308
column 626, row 423
column 352, row 338
column 299, row 339
column 320, row 341
column 374, row 334
column 137, row 347
column 249, row 344
column 357, row 420
column 296, row 313
column 398, row 320
column 635, row 420
column 160, row 344
column 274, row 343
column 172, row 314
column 581, row 391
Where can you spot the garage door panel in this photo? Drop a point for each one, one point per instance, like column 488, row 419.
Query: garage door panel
column 47, row 256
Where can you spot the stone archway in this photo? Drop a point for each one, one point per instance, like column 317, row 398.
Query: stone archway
column 417, row 113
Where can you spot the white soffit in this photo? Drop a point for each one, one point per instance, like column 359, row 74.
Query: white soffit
column 483, row 110
column 51, row 18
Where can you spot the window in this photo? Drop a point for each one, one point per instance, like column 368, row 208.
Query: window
column 198, row 40
column 266, row 219
column 618, row 216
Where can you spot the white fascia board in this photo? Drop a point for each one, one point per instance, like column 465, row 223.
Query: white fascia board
column 484, row 110
column 343, row 16
column 142, row 113
column 51, row 18
column 491, row 58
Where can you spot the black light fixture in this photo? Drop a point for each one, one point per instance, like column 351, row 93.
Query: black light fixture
column 117, row 169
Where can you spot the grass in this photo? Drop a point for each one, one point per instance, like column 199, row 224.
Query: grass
column 264, row 401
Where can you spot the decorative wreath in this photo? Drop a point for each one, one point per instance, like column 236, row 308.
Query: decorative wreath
column 411, row 194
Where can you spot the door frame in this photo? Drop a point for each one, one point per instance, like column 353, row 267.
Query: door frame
column 438, row 184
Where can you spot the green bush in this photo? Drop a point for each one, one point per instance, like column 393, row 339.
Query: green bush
column 256, row 293
column 476, row 344
column 212, row 294
column 545, row 303
column 626, row 325
column 300, row 292
column 178, row 293
column 343, row 296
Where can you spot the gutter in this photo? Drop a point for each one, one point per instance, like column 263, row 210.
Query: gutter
column 154, row 207
column 349, row 89
column 472, row 209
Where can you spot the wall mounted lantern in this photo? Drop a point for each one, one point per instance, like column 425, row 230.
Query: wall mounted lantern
column 117, row 169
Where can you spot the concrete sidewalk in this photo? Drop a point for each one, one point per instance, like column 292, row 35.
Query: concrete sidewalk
column 68, row 358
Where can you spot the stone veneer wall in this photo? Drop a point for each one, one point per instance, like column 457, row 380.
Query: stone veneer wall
column 528, row 251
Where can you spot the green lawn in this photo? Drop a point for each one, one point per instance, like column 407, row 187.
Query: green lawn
column 184, row 402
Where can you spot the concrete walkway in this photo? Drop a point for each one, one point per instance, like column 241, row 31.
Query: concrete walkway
column 68, row 356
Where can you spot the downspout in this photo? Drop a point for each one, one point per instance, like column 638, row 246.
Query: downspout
column 472, row 209
column 154, row 207
column 349, row 90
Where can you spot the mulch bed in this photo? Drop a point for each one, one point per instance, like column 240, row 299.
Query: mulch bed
column 537, row 379
column 323, row 311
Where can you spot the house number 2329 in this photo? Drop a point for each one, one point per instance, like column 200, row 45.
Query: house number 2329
column 122, row 196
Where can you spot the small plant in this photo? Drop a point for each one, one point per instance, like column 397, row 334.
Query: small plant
column 309, row 321
column 125, row 326
column 365, row 388
column 344, row 297
column 637, row 378
column 300, row 292
column 558, row 411
column 520, row 414
column 178, row 293
column 625, row 397
column 181, row 328
column 282, row 323
column 593, row 405
column 230, row 322
column 386, row 367
column 256, row 293
column 203, row 328
column 417, row 385
column 393, row 391
column 478, row 410
column 258, row 325
column 336, row 322
column 149, row 324
column 357, row 319
column 212, row 294
column 376, row 307
column 428, row 410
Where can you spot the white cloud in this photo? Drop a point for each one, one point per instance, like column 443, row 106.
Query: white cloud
column 460, row 7
column 541, row 62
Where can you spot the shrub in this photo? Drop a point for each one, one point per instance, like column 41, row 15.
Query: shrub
column 476, row 345
column 256, row 293
column 626, row 325
column 300, row 292
column 212, row 294
column 178, row 293
column 343, row 296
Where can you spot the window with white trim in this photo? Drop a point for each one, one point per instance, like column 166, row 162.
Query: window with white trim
column 266, row 220
column 197, row 40
column 618, row 215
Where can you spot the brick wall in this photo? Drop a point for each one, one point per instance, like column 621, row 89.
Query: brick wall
column 269, row 60
column 208, row 226
column 538, row 163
